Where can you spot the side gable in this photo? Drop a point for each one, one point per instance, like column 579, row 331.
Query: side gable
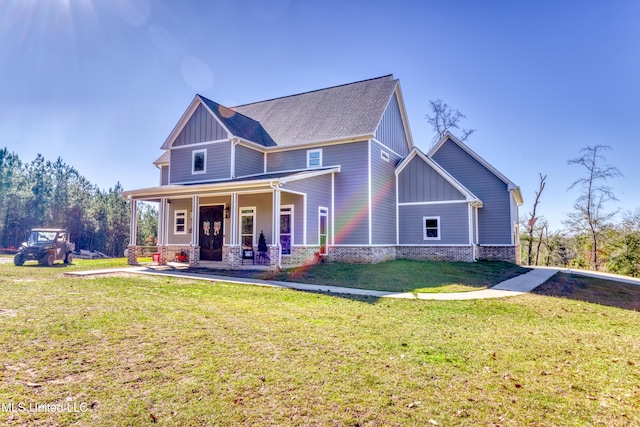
column 393, row 129
column 420, row 179
column 448, row 138
column 201, row 127
column 499, row 213
column 196, row 125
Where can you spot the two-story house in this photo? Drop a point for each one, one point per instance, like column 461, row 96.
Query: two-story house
column 332, row 173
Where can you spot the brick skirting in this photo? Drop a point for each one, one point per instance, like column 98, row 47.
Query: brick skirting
column 362, row 255
column 497, row 253
column 436, row 253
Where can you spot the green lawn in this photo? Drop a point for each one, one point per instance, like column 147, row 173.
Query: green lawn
column 192, row 353
column 398, row 276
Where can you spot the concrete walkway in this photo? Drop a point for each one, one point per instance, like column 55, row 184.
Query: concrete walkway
column 512, row 287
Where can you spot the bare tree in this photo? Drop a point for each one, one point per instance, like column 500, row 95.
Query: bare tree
column 589, row 215
column 444, row 119
column 533, row 218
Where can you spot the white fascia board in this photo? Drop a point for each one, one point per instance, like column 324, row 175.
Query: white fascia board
column 403, row 114
column 469, row 196
column 309, row 174
column 510, row 185
column 185, row 118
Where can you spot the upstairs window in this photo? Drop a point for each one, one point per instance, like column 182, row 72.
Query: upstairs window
column 431, row 227
column 314, row 158
column 199, row 161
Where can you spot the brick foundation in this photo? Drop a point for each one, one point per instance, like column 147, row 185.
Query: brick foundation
column 301, row 255
column 436, row 253
column 498, row 253
column 232, row 255
column 361, row 255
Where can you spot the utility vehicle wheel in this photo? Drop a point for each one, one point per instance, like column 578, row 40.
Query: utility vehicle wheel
column 18, row 260
column 68, row 259
column 48, row 259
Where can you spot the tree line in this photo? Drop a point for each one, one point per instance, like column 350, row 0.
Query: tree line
column 47, row 194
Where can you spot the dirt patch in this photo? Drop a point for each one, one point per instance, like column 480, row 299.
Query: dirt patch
column 594, row 290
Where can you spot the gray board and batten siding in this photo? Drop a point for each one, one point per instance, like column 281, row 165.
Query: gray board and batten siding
column 454, row 223
column 494, row 218
column 391, row 131
column 383, row 195
column 419, row 182
column 218, row 165
column 248, row 161
column 318, row 191
column 201, row 127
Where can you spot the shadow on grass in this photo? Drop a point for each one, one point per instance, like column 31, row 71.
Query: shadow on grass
column 594, row 290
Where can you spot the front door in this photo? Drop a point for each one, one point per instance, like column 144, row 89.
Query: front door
column 211, row 230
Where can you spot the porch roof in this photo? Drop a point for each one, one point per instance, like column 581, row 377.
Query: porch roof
column 267, row 180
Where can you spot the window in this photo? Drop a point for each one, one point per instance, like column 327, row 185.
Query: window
column 199, row 161
column 286, row 229
column 431, row 227
column 323, row 226
column 384, row 155
column 180, row 222
column 247, row 227
column 314, row 158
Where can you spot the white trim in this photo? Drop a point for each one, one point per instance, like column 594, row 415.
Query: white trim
column 195, row 217
column 199, row 144
column 292, row 226
column 511, row 187
column 370, row 214
column 193, row 162
column 333, row 208
column 232, row 168
column 438, row 228
column 403, row 114
column 240, row 215
column 226, row 186
column 314, row 151
column 385, row 147
column 304, row 219
column 470, row 217
column 435, row 202
column 397, row 214
column 326, row 215
column 183, row 214
column 439, row 170
column 477, row 229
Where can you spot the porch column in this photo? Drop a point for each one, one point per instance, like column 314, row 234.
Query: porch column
column 132, row 252
column 275, row 241
column 161, row 220
column 195, row 213
column 234, row 220
column 133, row 223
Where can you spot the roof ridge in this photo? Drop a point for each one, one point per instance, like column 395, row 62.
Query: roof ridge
column 311, row 91
column 228, row 108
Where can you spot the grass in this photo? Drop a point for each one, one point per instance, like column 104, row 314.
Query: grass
column 595, row 290
column 399, row 276
column 191, row 353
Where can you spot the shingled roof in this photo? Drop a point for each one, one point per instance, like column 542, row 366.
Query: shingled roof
column 344, row 111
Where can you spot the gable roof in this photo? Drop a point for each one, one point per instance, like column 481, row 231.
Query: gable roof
column 469, row 196
column 513, row 188
column 345, row 111
column 238, row 124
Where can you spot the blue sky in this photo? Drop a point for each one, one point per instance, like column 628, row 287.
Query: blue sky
column 101, row 83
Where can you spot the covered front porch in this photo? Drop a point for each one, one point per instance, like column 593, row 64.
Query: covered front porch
column 262, row 225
